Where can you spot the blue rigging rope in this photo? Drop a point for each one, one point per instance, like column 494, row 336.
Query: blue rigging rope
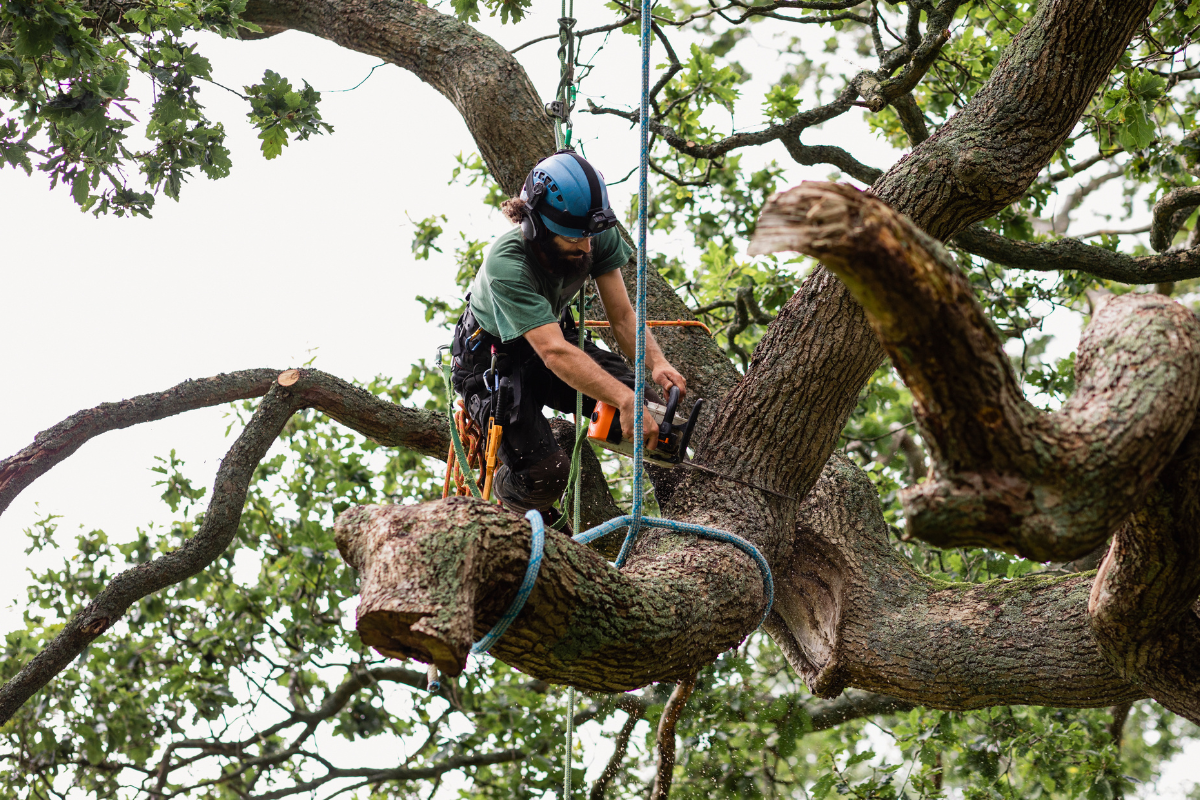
column 634, row 521
column 639, row 362
column 536, row 544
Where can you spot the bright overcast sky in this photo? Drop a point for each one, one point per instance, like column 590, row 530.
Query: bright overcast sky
column 308, row 253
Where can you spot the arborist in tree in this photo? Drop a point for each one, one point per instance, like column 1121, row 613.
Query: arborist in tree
column 516, row 346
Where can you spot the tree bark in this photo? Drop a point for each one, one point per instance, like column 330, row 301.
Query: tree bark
column 1045, row 486
column 1143, row 601
column 1072, row 254
column 852, row 612
column 849, row 610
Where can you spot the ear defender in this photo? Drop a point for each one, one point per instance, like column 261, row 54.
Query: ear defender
column 534, row 192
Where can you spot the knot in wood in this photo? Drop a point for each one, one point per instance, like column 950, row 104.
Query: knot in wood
column 96, row 626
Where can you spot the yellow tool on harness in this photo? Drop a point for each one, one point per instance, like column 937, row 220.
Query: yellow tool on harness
column 495, row 431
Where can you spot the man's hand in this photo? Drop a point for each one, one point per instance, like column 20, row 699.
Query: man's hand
column 649, row 426
column 667, row 376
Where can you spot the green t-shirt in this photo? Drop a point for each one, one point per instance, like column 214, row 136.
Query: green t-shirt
column 512, row 295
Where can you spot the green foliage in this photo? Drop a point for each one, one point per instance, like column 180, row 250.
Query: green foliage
column 269, row 624
column 277, row 110
column 65, row 78
column 509, row 11
column 473, row 172
column 426, row 235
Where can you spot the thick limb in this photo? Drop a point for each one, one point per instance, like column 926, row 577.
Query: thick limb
column 436, row 577
column 855, row 613
column 1047, row 486
column 220, row 524
column 1143, row 601
column 849, row 610
column 387, row 423
column 1072, row 254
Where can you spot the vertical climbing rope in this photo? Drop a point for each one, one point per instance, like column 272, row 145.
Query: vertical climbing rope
column 575, row 520
column 639, row 364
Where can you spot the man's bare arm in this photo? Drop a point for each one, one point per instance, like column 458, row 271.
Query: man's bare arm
column 583, row 374
column 624, row 326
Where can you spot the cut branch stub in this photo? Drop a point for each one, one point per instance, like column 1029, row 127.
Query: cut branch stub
column 1046, row 486
column 435, row 577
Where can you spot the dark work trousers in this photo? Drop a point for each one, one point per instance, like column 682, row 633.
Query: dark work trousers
column 534, row 469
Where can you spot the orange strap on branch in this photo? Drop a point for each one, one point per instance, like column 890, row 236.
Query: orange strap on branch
column 653, row 323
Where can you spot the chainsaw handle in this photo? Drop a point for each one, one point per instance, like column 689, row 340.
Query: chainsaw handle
column 687, row 431
column 664, row 429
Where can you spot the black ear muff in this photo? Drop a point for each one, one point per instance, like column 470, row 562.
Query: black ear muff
column 529, row 227
column 534, row 192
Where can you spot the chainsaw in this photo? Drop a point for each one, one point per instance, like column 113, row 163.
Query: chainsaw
column 674, row 433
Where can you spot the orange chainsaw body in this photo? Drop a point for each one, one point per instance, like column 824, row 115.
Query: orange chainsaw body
column 675, row 432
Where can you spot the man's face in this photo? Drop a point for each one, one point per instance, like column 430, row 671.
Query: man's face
column 567, row 259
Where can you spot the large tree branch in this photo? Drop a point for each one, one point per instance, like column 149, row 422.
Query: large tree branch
column 849, row 611
column 986, row 156
column 815, row 357
column 1142, row 603
column 220, row 524
column 854, row 612
column 1072, row 254
column 1047, row 486
column 436, row 577
column 387, row 423
column 55, row 444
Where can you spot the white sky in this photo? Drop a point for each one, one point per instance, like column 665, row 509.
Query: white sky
column 308, row 251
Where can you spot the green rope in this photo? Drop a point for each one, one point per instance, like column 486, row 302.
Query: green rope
column 575, row 482
column 580, row 429
column 459, row 452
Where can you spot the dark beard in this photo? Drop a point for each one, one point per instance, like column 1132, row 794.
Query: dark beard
column 567, row 267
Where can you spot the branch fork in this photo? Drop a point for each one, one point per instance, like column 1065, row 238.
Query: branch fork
column 1048, row 486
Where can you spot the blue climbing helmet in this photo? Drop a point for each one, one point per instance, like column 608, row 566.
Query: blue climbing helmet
column 566, row 196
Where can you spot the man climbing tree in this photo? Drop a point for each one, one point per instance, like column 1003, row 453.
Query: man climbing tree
column 995, row 549
column 565, row 235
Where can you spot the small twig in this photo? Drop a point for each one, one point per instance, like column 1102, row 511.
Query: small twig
column 666, row 737
column 884, row 436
